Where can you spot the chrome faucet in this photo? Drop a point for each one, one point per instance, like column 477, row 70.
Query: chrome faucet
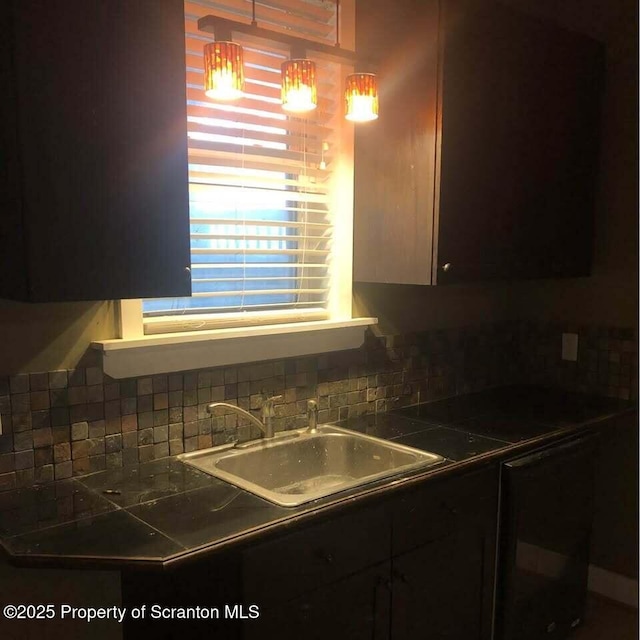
column 267, row 411
column 312, row 415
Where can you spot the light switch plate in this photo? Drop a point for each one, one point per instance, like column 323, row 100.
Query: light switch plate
column 570, row 346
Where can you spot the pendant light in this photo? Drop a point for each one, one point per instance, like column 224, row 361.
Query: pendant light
column 223, row 68
column 361, row 97
column 299, row 91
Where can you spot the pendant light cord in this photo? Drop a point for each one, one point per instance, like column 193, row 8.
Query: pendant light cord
column 253, row 13
column 337, row 23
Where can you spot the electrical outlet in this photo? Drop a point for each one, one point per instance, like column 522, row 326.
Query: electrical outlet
column 570, row 346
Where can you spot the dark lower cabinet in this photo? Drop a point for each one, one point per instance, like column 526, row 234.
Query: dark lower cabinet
column 210, row 590
column 355, row 608
column 424, row 562
column 420, row 565
column 443, row 567
column 417, row 565
column 329, row 580
column 438, row 589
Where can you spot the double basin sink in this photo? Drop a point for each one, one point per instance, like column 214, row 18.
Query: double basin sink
column 299, row 466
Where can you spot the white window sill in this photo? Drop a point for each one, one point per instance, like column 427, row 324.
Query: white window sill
column 154, row 354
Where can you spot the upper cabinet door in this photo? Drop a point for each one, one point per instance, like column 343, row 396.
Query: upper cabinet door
column 519, row 153
column 483, row 163
column 93, row 183
column 395, row 155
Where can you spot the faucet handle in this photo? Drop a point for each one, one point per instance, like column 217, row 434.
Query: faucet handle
column 267, row 405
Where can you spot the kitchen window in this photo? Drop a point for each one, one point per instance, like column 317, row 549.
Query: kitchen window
column 271, row 194
column 265, row 187
column 263, row 184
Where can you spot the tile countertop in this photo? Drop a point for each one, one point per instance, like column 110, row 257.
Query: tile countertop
column 161, row 513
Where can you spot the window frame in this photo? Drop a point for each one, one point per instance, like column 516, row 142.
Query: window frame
column 340, row 205
column 180, row 347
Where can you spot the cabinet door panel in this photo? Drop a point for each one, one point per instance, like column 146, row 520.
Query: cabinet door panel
column 479, row 186
column 440, row 508
column 483, row 163
column 438, row 590
column 520, row 123
column 102, row 149
column 356, row 608
column 443, row 569
column 317, row 555
column 395, row 155
column 210, row 584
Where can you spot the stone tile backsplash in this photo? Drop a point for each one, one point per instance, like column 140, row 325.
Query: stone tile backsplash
column 61, row 424
column 607, row 363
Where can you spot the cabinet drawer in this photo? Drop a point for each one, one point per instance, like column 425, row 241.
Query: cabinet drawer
column 436, row 510
column 318, row 555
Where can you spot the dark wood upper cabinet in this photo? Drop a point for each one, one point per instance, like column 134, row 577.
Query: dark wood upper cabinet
column 93, row 178
column 492, row 124
column 395, row 155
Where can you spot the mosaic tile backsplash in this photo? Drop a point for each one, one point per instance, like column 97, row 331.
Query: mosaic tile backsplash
column 607, row 363
column 60, row 424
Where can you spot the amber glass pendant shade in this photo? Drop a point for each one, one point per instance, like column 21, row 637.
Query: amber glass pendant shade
column 361, row 97
column 299, row 90
column 223, row 70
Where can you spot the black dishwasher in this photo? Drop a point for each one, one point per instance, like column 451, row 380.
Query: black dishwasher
column 546, row 515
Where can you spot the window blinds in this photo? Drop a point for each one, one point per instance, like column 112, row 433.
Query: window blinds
column 260, row 179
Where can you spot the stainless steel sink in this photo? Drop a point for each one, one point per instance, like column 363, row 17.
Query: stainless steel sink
column 298, row 466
